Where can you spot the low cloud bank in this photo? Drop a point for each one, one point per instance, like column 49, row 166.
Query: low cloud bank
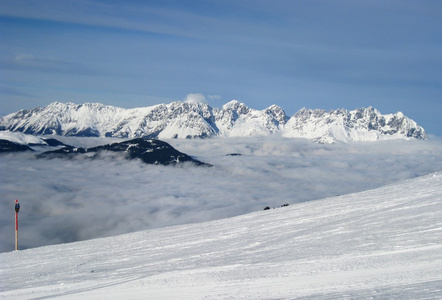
column 70, row 200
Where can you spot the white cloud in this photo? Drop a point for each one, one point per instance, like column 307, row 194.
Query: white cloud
column 77, row 199
column 196, row 98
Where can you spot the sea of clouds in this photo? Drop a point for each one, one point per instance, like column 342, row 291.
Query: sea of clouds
column 67, row 200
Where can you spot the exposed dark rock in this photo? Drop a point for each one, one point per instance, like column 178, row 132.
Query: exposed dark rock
column 54, row 143
column 8, row 146
column 149, row 151
column 234, row 154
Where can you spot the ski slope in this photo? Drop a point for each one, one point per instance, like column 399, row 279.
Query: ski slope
column 378, row 244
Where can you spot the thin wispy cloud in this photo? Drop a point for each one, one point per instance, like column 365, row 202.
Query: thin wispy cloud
column 77, row 199
column 316, row 54
column 25, row 61
column 154, row 19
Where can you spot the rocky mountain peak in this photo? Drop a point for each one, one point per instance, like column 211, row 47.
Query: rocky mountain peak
column 277, row 113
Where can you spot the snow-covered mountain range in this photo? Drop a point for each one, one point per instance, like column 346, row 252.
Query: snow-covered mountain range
column 378, row 244
column 199, row 120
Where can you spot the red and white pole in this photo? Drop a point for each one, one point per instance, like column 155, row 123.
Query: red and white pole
column 17, row 209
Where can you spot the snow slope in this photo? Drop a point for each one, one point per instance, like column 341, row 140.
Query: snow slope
column 382, row 243
column 21, row 138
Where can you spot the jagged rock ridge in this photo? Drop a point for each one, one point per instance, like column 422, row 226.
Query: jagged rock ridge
column 363, row 124
column 199, row 120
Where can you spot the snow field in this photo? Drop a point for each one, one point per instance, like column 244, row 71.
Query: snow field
column 382, row 243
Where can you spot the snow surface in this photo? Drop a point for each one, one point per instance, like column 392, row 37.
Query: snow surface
column 21, row 138
column 379, row 244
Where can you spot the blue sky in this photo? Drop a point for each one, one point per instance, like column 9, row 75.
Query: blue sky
column 314, row 54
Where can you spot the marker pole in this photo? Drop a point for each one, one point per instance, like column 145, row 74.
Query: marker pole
column 17, row 209
column 16, row 231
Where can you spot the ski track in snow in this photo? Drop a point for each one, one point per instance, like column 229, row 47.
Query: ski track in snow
column 379, row 244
